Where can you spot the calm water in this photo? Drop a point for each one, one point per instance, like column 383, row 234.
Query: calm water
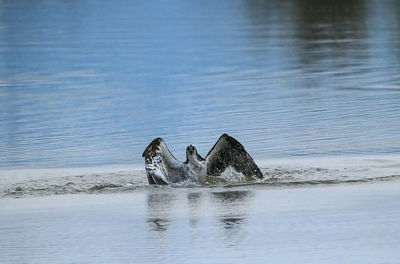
column 84, row 83
column 345, row 224
column 310, row 87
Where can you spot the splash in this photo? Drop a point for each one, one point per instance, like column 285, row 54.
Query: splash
column 25, row 183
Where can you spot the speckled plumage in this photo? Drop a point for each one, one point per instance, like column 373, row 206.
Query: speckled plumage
column 163, row 168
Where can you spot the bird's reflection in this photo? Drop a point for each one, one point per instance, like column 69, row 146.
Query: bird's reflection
column 232, row 206
column 232, row 214
column 230, row 196
column 232, row 222
column 159, row 205
column 158, row 224
column 194, row 204
column 194, row 199
column 229, row 207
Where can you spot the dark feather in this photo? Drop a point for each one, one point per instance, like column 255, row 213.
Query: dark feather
column 163, row 168
column 226, row 152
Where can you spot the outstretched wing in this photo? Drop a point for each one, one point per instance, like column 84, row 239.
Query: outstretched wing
column 161, row 166
column 226, row 152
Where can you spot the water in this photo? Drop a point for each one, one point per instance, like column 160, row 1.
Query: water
column 350, row 224
column 281, row 173
column 311, row 88
column 89, row 84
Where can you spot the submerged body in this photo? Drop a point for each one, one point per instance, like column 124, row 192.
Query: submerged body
column 163, row 168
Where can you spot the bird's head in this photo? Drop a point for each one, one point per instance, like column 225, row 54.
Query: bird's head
column 191, row 152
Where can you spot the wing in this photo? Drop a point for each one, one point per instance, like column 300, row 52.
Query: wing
column 161, row 166
column 226, row 152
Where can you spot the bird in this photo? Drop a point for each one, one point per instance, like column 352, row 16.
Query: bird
column 162, row 168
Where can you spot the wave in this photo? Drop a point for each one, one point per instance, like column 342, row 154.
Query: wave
column 278, row 173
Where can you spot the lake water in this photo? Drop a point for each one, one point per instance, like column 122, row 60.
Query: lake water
column 335, row 224
column 88, row 84
column 310, row 88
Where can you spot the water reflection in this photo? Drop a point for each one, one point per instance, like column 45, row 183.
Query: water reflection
column 230, row 209
column 194, row 199
column 230, row 222
column 230, row 197
column 331, row 34
column 322, row 34
column 232, row 214
column 80, row 90
column 159, row 207
column 194, row 203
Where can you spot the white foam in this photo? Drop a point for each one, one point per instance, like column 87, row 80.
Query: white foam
column 38, row 182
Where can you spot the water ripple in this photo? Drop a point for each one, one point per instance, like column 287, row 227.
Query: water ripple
column 284, row 173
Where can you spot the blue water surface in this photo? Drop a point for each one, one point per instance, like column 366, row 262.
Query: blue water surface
column 88, row 83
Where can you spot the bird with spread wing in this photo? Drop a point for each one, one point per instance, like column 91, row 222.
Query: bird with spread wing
column 162, row 168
